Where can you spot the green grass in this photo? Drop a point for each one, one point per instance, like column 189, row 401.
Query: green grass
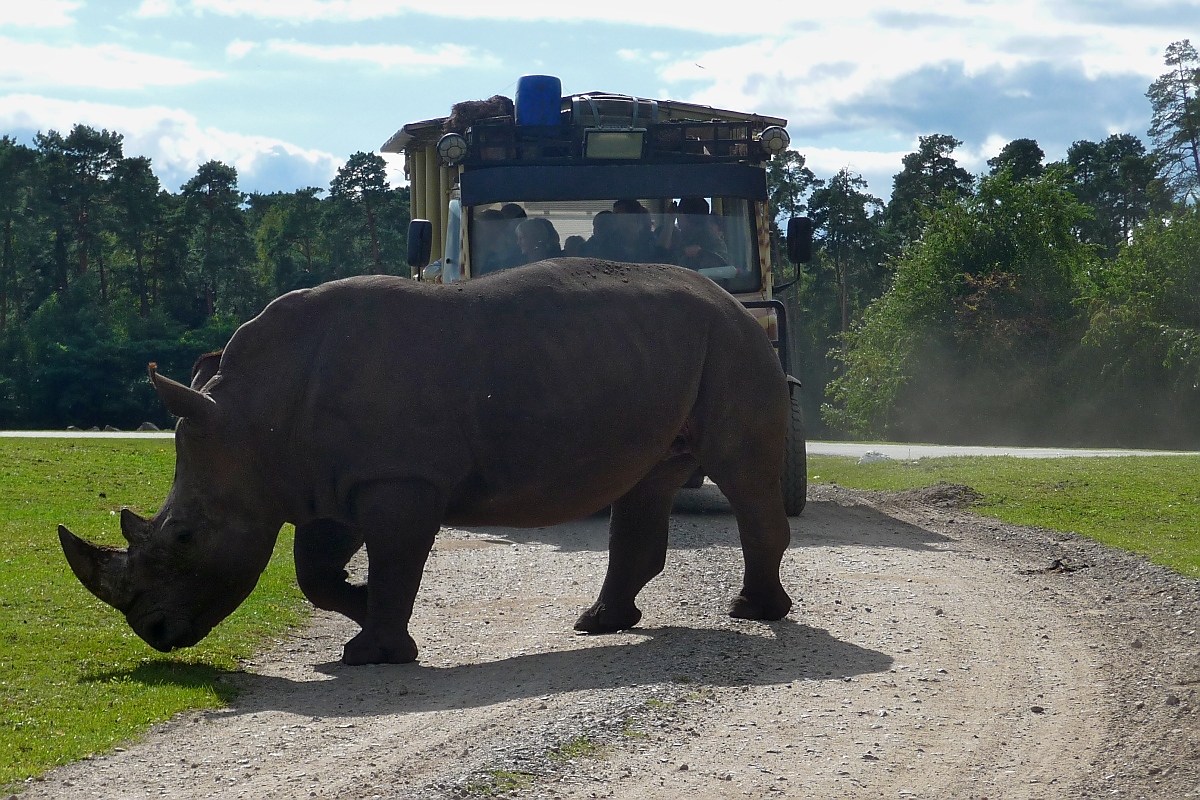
column 500, row 781
column 629, row 730
column 579, row 747
column 74, row 679
column 1149, row 505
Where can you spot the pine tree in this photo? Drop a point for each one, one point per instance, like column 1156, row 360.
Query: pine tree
column 1175, row 120
column 930, row 178
column 362, row 182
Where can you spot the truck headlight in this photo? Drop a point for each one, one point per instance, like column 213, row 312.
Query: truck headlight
column 452, row 148
column 775, row 140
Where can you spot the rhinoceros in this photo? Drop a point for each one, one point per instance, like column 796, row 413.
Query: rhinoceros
column 373, row 410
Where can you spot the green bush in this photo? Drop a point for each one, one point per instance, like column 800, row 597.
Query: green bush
column 974, row 339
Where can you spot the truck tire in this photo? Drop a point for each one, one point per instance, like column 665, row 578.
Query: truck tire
column 795, row 461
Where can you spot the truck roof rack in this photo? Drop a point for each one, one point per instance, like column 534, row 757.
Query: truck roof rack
column 676, row 132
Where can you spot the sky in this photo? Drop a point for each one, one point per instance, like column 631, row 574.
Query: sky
column 286, row 90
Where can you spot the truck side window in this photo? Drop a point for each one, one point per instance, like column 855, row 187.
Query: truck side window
column 493, row 243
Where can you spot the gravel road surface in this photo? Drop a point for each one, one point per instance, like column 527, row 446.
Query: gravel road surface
column 931, row 654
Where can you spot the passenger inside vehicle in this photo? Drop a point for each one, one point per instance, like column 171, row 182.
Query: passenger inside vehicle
column 573, row 246
column 626, row 234
column 603, row 242
column 715, row 235
column 697, row 241
column 538, row 240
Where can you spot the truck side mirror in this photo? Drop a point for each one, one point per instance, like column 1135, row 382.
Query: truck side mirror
column 420, row 244
column 799, row 240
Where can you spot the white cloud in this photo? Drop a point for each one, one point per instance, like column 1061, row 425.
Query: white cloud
column 305, row 10
column 641, row 55
column 877, row 167
column 238, row 48
column 394, row 165
column 800, row 60
column 839, row 23
column 975, row 159
column 852, row 50
column 150, row 9
column 105, row 66
column 828, row 160
column 389, row 56
column 38, row 13
column 177, row 143
column 808, row 74
column 622, row 11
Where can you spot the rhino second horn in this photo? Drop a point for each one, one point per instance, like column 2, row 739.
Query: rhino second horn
column 135, row 529
column 103, row 570
column 180, row 400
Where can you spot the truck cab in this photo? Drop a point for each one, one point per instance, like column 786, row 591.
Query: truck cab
column 499, row 184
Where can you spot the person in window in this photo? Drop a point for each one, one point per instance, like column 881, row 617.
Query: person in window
column 573, row 246
column 512, row 211
column 603, row 242
column 634, row 236
column 538, row 240
column 515, row 215
column 696, row 242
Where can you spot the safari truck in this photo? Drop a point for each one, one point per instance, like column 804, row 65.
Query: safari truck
column 501, row 183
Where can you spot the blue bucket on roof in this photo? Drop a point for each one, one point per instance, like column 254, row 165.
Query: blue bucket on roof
column 539, row 100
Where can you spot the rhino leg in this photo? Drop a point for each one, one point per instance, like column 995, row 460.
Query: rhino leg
column 765, row 535
column 398, row 522
column 322, row 550
column 637, row 546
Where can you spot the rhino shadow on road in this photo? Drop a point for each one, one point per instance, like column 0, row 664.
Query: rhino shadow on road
column 778, row 653
column 823, row 524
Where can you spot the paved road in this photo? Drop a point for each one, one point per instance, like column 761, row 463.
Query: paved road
column 907, row 452
column 910, row 452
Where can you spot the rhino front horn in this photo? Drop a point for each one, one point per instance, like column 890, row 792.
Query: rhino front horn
column 103, row 570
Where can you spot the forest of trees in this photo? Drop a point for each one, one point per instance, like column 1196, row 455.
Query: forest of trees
column 102, row 271
column 1038, row 303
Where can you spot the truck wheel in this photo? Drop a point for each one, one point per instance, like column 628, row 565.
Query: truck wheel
column 795, row 461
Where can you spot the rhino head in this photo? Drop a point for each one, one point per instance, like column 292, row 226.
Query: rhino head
column 195, row 561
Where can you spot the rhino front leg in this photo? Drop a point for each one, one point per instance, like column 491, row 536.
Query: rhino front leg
column 637, row 547
column 322, row 550
column 398, row 522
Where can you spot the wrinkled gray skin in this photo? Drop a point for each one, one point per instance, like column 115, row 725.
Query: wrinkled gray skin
column 374, row 410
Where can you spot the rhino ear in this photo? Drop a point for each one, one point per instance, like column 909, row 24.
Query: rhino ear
column 205, row 367
column 180, row 400
column 135, row 529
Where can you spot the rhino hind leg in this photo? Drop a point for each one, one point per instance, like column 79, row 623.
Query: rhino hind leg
column 746, row 464
column 322, row 550
column 398, row 522
column 765, row 534
column 637, row 546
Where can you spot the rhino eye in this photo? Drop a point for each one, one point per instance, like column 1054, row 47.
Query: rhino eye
column 184, row 537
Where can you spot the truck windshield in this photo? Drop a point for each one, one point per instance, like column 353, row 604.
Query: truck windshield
column 712, row 235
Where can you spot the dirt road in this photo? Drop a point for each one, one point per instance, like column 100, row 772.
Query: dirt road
column 931, row 654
